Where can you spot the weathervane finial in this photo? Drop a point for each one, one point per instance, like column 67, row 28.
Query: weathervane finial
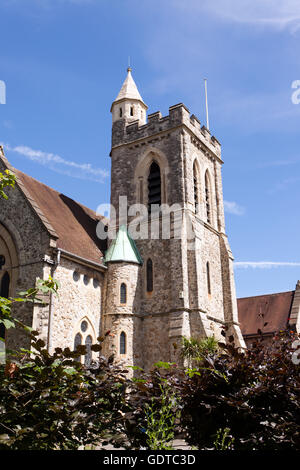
column 129, row 69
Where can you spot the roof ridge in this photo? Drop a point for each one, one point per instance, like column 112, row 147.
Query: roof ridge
column 265, row 295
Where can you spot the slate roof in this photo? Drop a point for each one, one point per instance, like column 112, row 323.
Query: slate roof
column 273, row 309
column 73, row 223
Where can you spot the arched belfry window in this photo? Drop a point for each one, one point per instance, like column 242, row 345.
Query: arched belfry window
column 4, row 292
column 207, row 198
column 196, row 187
column 154, row 186
column 122, row 343
column 149, row 273
column 123, row 293
column 208, row 278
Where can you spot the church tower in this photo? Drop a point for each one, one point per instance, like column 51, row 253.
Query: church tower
column 183, row 280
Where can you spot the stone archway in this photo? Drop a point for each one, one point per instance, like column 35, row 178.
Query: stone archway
column 10, row 260
column 9, row 273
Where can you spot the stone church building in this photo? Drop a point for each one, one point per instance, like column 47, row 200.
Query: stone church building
column 147, row 291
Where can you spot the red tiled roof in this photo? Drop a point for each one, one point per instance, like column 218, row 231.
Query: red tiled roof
column 273, row 309
column 74, row 223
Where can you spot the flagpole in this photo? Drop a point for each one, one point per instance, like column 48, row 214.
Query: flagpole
column 206, row 104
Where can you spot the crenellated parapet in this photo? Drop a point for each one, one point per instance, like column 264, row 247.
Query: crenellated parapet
column 179, row 116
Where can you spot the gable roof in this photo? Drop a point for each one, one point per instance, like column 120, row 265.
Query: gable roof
column 273, row 309
column 123, row 248
column 72, row 224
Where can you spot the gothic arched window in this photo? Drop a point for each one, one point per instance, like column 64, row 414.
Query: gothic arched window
column 122, row 343
column 154, row 186
column 77, row 342
column 123, row 293
column 88, row 356
column 85, row 336
column 149, row 269
column 207, row 198
column 208, row 278
column 196, row 187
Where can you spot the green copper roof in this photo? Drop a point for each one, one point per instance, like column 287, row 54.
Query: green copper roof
column 123, row 248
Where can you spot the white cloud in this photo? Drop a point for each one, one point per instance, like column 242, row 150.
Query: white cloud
column 233, row 208
column 276, row 14
column 59, row 164
column 263, row 264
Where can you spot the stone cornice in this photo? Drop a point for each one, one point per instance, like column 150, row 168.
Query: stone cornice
column 79, row 260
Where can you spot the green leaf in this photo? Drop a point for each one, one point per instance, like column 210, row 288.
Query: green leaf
column 70, row 370
column 135, row 368
column 7, row 323
column 164, row 365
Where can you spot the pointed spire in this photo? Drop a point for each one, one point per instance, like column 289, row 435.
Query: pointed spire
column 123, row 248
column 129, row 105
column 129, row 89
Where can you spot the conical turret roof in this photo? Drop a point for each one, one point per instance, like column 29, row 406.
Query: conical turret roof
column 123, row 248
column 129, row 89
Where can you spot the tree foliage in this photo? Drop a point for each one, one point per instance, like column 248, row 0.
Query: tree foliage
column 7, row 179
column 239, row 400
column 195, row 349
column 258, row 399
column 50, row 401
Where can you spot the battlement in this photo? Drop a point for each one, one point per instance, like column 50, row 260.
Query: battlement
column 178, row 115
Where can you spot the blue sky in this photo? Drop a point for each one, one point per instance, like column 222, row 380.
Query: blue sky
column 64, row 61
